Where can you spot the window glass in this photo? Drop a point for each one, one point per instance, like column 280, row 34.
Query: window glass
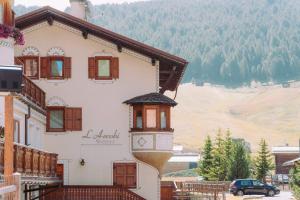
column 103, row 68
column 57, row 68
column 56, row 119
column 163, row 119
column 1, row 14
column 151, row 118
column 246, row 183
column 31, row 67
column 257, row 183
column 139, row 119
column 16, row 131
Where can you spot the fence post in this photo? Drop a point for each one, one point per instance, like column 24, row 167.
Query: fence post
column 17, row 178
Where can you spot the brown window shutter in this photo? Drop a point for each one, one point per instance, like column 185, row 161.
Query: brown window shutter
column 45, row 65
column 68, row 119
column 131, row 175
column 67, row 67
column 92, row 68
column 77, row 119
column 119, row 173
column 115, row 67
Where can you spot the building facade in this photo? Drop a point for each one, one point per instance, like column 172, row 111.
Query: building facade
column 284, row 154
column 107, row 117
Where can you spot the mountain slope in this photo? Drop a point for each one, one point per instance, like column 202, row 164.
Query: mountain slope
column 227, row 42
column 266, row 112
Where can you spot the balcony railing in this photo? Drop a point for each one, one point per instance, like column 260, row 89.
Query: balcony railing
column 31, row 162
column 31, row 91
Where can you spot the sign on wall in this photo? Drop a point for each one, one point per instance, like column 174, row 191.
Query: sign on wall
column 101, row 137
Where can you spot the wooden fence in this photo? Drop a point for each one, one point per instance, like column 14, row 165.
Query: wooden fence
column 89, row 193
column 10, row 187
column 200, row 190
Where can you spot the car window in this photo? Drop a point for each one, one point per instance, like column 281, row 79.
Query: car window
column 245, row 183
column 257, row 183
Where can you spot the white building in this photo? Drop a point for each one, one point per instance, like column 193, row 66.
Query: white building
column 107, row 117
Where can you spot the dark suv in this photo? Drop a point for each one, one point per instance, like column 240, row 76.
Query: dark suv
column 241, row 187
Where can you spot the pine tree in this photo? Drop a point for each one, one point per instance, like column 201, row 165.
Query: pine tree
column 295, row 183
column 239, row 162
column 228, row 146
column 206, row 162
column 218, row 169
column 263, row 161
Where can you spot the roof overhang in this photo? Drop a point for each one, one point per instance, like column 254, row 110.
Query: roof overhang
column 171, row 68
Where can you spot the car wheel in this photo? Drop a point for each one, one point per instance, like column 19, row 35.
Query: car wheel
column 240, row 193
column 271, row 193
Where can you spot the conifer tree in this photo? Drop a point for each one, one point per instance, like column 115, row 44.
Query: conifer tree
column 228, row 150
column 295, row 182
column 218, row 169
column 239, row 166
column 206, row 163
column 263, row 161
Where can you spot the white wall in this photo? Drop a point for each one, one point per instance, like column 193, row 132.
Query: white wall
column 102, row 104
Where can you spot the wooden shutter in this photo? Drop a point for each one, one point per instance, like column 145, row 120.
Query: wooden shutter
column 45, row 67
column 67, row 67
column 77, row 119
column 92, row 68
column 125, row 175
column 131, row 175
column 68, row 121
column 73, row 119
column 115, row 67
column 119, row 174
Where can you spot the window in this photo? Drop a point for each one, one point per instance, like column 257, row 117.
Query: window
column 30, row 66
column 56, row 119
column 103, row 68
column 61, row 119
column 257, row 183
column 125, row 175
column 151, row 117
column 55, row 67
column 17, row 131
column 246, row 183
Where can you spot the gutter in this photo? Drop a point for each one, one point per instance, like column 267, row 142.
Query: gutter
column 27, row 117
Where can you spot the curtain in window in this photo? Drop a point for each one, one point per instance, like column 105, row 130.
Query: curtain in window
column 57, row 119
column 163, row 119
column 31, row 67
column 151, row 118
column 57, row 68
column 103, row 68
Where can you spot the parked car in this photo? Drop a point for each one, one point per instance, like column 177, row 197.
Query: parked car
column 242, row 187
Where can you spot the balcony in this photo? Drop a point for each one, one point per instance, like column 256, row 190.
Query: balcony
column 33, row 93
column 31, row 162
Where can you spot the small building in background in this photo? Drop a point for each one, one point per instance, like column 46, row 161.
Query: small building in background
column 182, row 159
column 284, row 154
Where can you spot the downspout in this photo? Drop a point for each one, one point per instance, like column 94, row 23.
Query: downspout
column 27, row 117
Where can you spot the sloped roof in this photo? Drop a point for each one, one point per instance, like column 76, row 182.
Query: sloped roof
column 171, row 69
column 152, row 98
column 285, row 149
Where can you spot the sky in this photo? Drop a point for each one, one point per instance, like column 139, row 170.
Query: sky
column 62, row 4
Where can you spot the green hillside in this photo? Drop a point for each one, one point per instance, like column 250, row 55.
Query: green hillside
column 227, row 42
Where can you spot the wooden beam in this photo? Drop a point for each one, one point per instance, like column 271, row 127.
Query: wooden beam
column 120, row 48
column 9, row 136
column 164, row 88
column 50, row 20
column 85, row 34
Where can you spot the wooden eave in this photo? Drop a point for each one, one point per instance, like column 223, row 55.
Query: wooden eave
column 167, row 61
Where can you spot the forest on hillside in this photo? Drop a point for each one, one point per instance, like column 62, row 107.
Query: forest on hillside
column 227, row 42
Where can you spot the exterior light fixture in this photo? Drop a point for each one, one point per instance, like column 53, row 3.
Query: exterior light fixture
column 82, row 162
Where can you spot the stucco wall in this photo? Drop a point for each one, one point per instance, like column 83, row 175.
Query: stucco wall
column 102, row 107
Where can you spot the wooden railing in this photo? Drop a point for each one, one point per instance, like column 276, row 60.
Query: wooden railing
column 33, row 92
column 31, row 162
column 9, row 187
column 89, row 192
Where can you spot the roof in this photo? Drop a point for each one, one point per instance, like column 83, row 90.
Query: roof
column 185, row 158
column 152, row 98
column 171, row 67
column 285, row 149
column 291, row 162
